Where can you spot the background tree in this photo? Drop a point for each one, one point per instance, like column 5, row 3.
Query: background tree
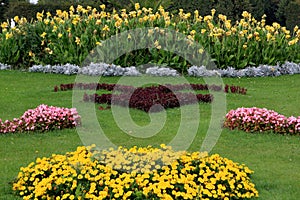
column 292, row 14
column 3, row 8
column 233, row 8
column 281, row 11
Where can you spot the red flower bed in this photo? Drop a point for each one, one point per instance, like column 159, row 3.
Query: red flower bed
column 126, row 88
column 144, row 98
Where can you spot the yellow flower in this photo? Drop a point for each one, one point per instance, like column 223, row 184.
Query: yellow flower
column 77, row 40
column 207, row 18
column 48, row 50
column 16, row 19
column 193, row 32
column 213, row 11
column 46, row 21
column 39, row 16
column 48, row 14
column 4, row 25
column 99, row 43
column 59, row 35
column 292, row 42
column 222, row 17
column 102, row 7
column 276, row 25
column 79, row 8
column 250, row 36
column 201, row 51
column 54, row 28
column 8, row 35
column 295, row 28
column 245, row 14
column 105, row 28
column 75, row 20
column 43, row 35
column 137, row 6
column 98, row 22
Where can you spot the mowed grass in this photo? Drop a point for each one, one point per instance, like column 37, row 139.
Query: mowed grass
column 274, row 158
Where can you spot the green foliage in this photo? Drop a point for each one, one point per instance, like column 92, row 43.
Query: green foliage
column 203, row 6
column 233, row 8
column 281, row 11
column 292, row 15
column 3, row 9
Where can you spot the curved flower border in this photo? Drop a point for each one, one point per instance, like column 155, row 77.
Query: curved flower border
column 43, row 118
column 103, row 69
column 261, row 120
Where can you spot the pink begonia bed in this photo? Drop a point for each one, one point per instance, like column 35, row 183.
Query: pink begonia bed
column 42, row 118
column 260, row 120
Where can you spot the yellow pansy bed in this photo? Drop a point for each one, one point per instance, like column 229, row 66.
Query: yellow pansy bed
column 135, row 173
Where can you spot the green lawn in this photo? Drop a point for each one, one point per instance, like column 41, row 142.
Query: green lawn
column 274, row 158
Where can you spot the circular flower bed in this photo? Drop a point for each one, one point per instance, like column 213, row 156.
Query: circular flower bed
column 260, row 120
column 135, row 173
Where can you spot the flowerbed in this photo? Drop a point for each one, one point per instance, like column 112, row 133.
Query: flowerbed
column 42, row 118
column 261, row 120
column 144, row 98
column 69, row 36
column 111, row 174
column 102, row 69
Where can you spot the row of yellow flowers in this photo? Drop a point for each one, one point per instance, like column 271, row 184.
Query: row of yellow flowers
column 69, row 36
column 135, row 173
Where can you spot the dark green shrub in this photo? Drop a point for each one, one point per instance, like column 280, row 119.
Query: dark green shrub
column 3, row 9
column 292, row 15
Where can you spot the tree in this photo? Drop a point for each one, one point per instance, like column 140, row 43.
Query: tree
column 292, row 15
column 281, row 11
column 259, row 8
column 233, row 8
column 3, row 8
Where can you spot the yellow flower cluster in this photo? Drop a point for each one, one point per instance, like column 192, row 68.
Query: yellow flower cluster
column 117, row 174
column 230, row 42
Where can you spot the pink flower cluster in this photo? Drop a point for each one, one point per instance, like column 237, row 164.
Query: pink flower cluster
column 261, row 119
column 42, row 118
